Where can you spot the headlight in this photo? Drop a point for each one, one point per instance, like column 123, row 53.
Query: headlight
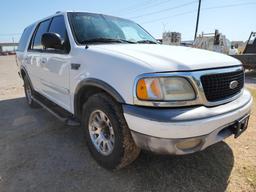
column 165, row 89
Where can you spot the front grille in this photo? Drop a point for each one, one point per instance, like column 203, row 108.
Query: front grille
column 217, row 86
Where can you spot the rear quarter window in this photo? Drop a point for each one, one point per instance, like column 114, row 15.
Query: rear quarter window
column 24, row 40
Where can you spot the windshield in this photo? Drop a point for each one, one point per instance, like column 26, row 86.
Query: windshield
column 96, row 28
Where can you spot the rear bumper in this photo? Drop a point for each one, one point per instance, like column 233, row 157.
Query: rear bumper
column 161, row 130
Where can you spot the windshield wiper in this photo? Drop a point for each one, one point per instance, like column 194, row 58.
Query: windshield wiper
column 147, row 41
column 126, row 41
column 106, row 40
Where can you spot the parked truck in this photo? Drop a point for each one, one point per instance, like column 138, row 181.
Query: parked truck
column 127, row 91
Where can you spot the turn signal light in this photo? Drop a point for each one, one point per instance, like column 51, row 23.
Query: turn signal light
column 142, row 90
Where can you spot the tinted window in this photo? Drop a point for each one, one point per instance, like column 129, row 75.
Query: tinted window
column 25, row 38
column 58, row 26
column 42, row 28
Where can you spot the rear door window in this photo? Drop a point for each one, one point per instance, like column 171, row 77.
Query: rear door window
column 42, row 28
column 25, row 38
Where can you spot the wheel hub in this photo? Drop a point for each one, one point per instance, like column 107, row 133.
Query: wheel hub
column 101, row 132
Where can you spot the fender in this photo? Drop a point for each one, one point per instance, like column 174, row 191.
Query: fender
column 95, row 83
column 22, row 68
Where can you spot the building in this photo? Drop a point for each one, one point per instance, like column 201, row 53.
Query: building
column 6, row 47
column 171, row 38
column 213, row 42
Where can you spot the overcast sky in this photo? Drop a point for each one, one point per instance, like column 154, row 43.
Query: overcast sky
column 234, row 18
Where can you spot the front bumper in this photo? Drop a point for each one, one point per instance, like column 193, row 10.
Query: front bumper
column 160, row 130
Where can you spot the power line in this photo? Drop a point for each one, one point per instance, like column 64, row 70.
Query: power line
column 230, row 5
column 170, row 16
column 163, row 18
column 193, row 11
column 149, row 6
column 164, row 10
column 125, row 9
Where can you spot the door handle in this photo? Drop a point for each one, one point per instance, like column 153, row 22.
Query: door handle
column 75, row 66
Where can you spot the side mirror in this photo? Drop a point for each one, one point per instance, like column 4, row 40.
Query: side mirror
column 52, row 40
column 159, row 41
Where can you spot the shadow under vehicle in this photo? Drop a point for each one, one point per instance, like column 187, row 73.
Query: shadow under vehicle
column 39, row 153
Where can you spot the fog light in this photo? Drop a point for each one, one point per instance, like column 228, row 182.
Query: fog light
column 188, row 144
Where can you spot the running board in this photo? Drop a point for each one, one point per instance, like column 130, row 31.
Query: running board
column 56, row 110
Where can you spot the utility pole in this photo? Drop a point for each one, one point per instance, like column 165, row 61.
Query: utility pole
column 197, row 20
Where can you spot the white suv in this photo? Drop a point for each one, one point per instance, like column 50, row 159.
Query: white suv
column 128, row 91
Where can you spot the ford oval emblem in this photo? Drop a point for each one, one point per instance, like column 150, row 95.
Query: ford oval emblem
column 233, row 84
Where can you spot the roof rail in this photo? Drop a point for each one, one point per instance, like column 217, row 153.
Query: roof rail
column 57, row 12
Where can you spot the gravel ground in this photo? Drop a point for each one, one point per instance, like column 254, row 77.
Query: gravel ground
column 39, row 153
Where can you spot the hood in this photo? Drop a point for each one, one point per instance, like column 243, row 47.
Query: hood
column 170, row 58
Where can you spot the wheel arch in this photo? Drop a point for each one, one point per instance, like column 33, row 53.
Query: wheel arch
column 23, row 73
column 87, row 88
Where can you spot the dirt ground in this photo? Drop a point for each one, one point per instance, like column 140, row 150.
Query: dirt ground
column 39, row 153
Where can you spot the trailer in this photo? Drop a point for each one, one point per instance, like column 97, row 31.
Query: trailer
column 248, row 57
column 213, row 42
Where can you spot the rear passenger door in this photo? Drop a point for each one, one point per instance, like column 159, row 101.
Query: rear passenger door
column 21, row 53
column 33, row 56
column 54, row 65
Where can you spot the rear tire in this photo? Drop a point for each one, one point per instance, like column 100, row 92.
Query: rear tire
column 107, row 134
column 29, row 94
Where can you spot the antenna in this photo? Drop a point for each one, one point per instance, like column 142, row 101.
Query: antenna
column 58, row 12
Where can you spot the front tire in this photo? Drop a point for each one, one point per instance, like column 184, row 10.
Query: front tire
column 107, row 134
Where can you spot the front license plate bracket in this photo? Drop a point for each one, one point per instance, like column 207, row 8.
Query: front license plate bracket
column 241, row 125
